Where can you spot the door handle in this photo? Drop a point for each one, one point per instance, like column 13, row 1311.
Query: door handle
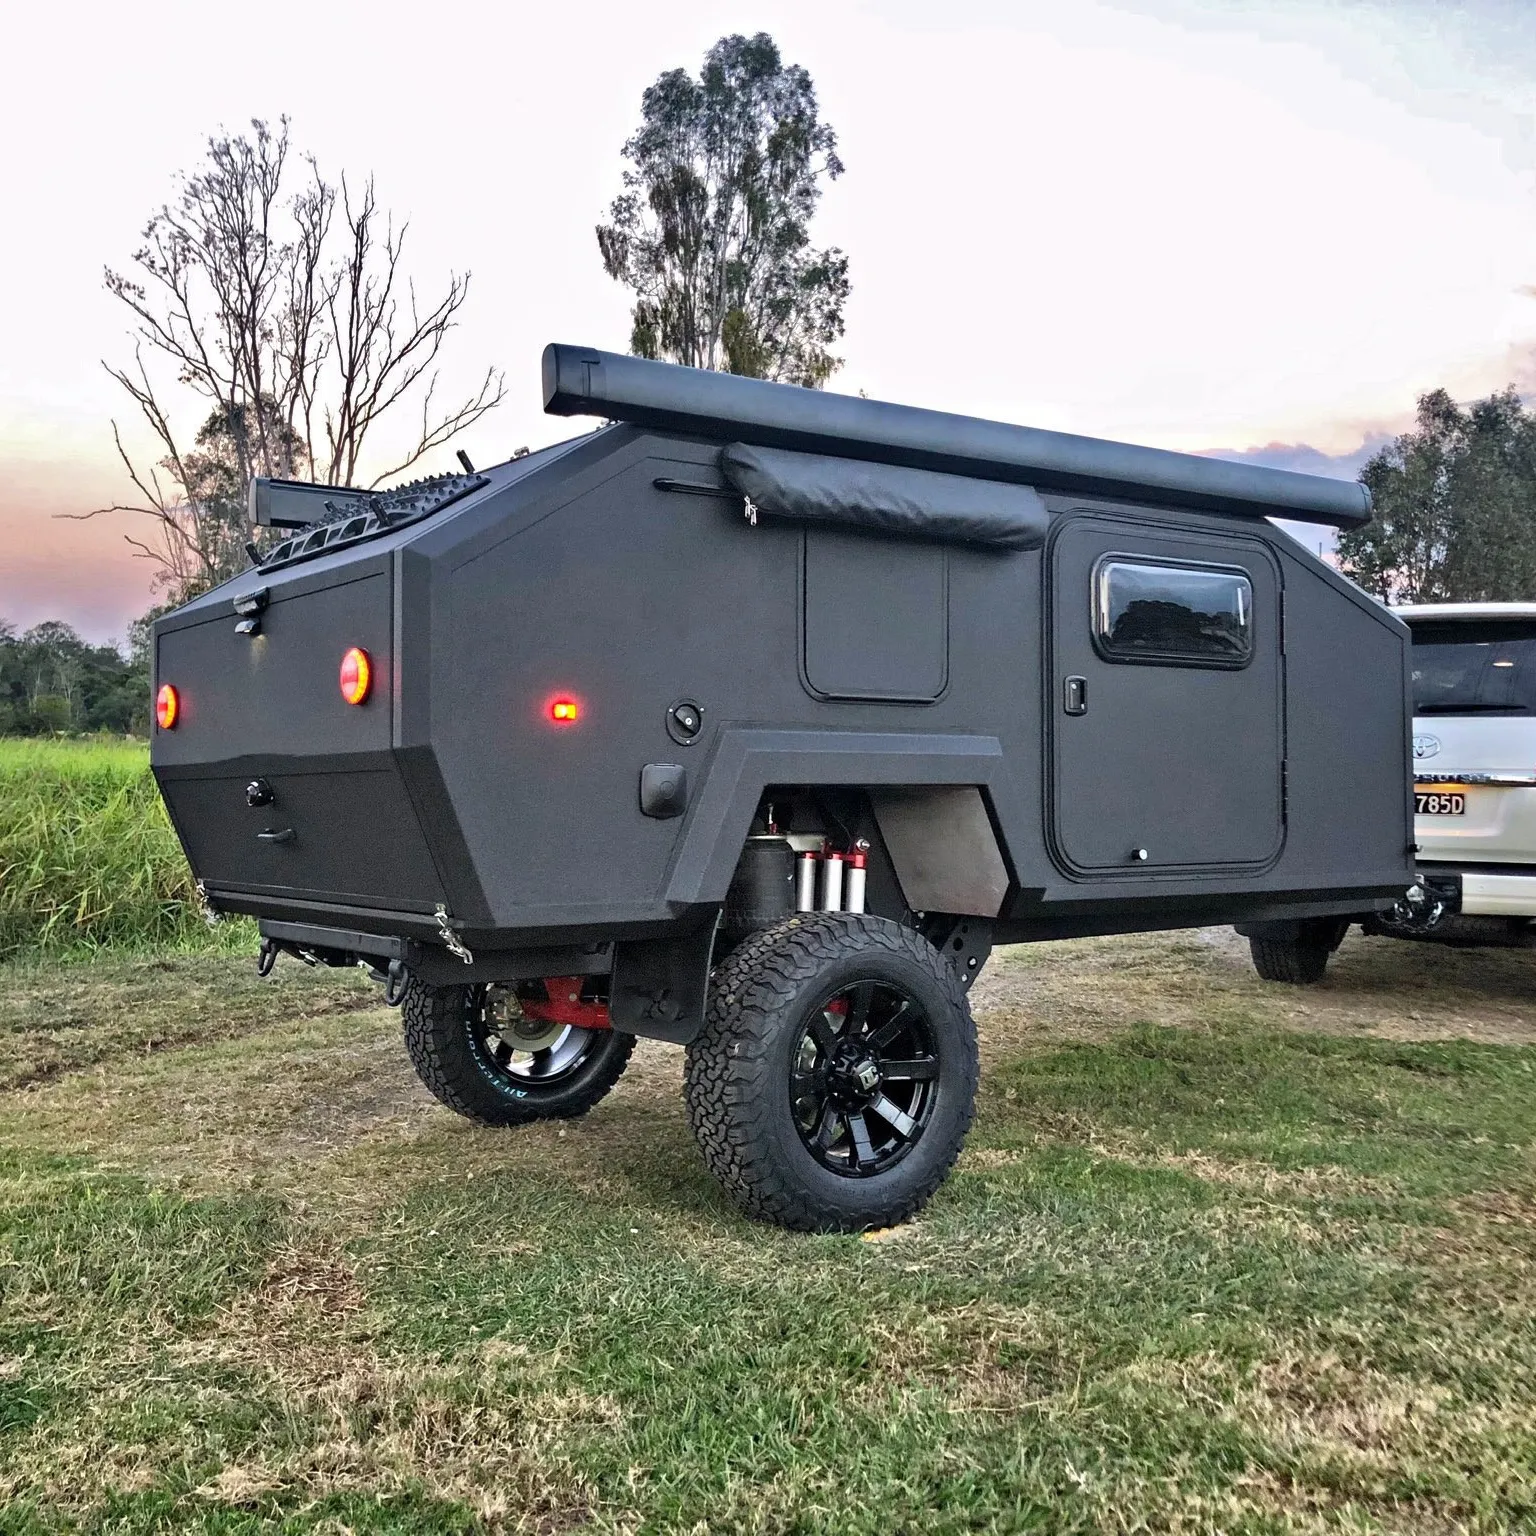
column 287, row 835
column 1074, row 696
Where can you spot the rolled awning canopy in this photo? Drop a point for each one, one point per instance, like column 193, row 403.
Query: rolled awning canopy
column 886, row 499
column 581, row 381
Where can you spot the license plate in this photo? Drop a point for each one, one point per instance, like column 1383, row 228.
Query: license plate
column 1443, row 801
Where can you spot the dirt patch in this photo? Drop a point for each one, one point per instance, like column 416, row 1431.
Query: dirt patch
column 72, row 1016
column 303, row 1279
column 326, row 1084
column 1090, row 988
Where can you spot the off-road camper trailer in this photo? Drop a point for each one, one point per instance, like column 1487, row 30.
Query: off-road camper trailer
column 751, row 720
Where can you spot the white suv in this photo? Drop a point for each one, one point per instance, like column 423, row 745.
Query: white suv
column 1474, row 773
column 1474, row 787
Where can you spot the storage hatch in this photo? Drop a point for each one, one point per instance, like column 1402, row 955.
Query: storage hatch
column 275, row 782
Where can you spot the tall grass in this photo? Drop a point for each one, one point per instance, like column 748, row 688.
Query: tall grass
column 88, row 859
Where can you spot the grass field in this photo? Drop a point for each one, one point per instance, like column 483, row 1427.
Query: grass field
column 87, row 856
column 1218, row 1257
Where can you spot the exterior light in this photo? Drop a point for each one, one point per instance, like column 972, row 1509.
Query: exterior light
column 167, row 707
column 356, row 675
column 564, row 711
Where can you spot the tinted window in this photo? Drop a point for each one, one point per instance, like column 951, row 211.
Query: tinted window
column 1147, row 612
column 1474, row 668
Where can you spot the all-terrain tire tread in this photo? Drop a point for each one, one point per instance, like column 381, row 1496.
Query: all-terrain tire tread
column 436, row 1039
column 729, row 1087
column 1296, row 962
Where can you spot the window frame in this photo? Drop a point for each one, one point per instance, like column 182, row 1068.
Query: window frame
column 1098, row 614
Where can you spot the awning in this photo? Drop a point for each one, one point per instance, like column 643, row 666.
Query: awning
column 886, row 498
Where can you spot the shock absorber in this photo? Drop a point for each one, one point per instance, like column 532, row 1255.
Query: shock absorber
column 805, row 881
column 858, row 874
column 832, row 881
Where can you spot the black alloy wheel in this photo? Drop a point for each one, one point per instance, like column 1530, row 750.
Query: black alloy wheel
column 862, row 1088
column 834, row 1078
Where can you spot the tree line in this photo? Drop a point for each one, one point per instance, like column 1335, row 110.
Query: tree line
column 52, row 682
column 1455, row 506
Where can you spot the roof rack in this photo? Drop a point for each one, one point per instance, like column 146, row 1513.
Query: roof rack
column 327, row 516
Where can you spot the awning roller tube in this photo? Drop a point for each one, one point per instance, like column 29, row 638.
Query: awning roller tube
column 582, row 381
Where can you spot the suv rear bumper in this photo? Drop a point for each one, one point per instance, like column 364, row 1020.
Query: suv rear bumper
column 1485, row 891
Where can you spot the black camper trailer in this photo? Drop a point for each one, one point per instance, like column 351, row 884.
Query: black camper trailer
column 751, row 720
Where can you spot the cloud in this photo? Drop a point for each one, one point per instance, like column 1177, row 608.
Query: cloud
column 1306, row 459
column 1515, row 367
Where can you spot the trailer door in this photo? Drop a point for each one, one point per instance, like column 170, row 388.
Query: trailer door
column 1165, row 680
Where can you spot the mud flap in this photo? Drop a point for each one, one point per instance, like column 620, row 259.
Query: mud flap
column 660, row 987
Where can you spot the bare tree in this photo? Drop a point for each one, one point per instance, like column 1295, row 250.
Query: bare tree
column 281, row 301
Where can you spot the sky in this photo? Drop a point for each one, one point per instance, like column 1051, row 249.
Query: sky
column 1255, row 227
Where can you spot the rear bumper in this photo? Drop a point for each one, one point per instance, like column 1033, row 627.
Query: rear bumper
column 1499, row 895
column 1484, row 892
column 433, row 963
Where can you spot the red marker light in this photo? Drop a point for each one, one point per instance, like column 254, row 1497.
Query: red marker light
column 167, row 707
column 356, row 675
column 564, row 711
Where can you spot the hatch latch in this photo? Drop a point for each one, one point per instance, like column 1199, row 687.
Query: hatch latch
column 455, row 945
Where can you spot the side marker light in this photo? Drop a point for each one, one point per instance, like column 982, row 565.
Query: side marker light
column 565, row 711
column 167, row 707
column 356, row 675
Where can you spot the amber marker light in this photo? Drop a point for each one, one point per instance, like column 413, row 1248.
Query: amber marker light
column 356, row 675
column 564, row 711
column 167, row 707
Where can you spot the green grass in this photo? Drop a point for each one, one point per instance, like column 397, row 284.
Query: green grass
column 88, row 860
column 1203, row 1267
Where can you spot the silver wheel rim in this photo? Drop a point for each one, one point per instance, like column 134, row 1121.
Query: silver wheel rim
column 525, row 1050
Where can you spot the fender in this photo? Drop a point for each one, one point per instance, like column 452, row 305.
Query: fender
column 747, row 760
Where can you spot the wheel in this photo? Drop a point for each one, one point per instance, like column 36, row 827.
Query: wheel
column 475, row 1050
column 1302, row 961
column 835, row 1077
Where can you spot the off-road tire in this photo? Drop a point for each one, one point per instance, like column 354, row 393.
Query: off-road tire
column 1298, row 961
column 455, row 1069
column 737, row 1082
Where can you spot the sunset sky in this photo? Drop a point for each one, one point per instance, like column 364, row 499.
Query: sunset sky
column 1211, row 226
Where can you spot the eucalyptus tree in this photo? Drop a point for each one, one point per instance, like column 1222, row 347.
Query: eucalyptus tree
column 712, row 230
column 1455, row 500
